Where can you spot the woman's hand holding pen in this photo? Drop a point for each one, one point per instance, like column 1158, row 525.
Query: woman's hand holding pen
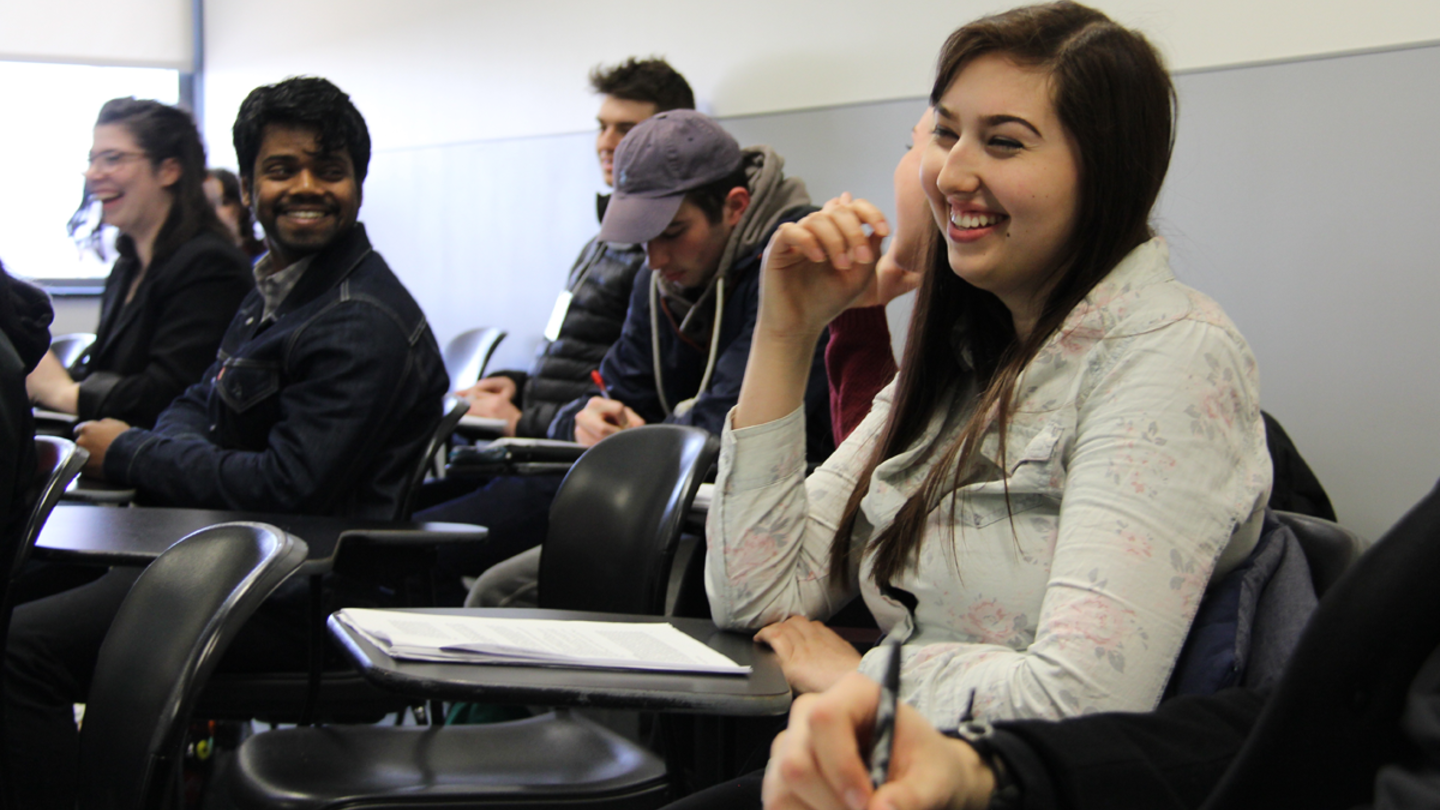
column 816, row 763
column 815, row 268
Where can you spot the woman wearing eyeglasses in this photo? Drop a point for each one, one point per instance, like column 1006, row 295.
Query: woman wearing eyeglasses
column 176, row 285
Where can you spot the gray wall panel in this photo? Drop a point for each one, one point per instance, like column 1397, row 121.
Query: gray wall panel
column 1302, row 197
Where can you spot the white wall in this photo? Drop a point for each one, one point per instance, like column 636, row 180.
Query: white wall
column 429, row 72
column 144, row 33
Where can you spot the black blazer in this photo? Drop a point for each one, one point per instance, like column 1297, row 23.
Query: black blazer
column 148, row 351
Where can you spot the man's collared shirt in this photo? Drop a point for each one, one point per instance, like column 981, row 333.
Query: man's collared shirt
column 275, row 285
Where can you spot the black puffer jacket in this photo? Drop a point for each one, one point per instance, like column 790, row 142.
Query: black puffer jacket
column 600, row 282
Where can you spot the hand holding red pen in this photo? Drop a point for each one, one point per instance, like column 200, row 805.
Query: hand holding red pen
column 603, row 416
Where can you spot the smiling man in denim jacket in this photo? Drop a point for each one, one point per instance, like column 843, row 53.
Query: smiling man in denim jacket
column 327, row 386
column 328, row 382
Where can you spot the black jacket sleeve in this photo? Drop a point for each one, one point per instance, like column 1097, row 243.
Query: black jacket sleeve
column 1168, row 759
column 166, row 346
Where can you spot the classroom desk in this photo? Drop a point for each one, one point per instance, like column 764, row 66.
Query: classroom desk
column 93, row 535
column 85, row 489
column 98, row 535
column 762, row 692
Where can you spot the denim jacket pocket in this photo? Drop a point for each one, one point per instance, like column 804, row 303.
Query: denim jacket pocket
column 243, row 382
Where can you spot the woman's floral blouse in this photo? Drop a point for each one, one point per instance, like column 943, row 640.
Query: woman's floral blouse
column 1136, row 472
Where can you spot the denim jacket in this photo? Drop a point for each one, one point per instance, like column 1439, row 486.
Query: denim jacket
column 321, row 409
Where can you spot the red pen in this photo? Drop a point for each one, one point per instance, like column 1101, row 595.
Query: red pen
column 600, row 382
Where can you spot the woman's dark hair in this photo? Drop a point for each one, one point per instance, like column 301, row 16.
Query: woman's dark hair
column 1115, row 101
column 168, row 133
column 230, row 195
column 648, row 80
column 302, row 101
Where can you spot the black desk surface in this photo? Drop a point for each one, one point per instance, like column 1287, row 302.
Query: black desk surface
column 762, row 692
column 103, row 535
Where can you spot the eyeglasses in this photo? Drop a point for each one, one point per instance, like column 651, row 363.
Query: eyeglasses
column 110, row 160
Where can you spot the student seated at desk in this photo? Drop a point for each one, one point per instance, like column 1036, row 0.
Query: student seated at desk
column 1073, row 448
column 592, row 306
column 593, row 303
column 328, row 388
column 704, row 209
column 178, row 280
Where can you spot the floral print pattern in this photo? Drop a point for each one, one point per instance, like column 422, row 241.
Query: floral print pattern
column 1136, row 472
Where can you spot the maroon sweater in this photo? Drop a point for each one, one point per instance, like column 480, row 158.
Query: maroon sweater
column 859, row 363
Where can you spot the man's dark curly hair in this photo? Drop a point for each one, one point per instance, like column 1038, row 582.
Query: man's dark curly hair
column 305, row 101
column 651, row 80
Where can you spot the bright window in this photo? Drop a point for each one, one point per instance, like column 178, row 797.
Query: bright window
column 49, row 112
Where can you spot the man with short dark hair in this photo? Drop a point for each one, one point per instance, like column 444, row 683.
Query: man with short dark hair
column 327, row 387
column 591, row 309
column 585, row 323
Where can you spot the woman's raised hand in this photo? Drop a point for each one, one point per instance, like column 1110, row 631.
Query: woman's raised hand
column 812, row 270
column 815, row 268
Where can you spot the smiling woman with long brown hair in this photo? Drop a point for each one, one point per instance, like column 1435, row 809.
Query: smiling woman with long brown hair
column 178, row 280
column 1073, row 446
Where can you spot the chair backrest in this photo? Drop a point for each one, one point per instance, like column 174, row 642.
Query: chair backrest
column 1330, row 549
column 468, row 353
column 1334, row 718
column 455, row 410
column 59, row 462
column 71, row 347
column 173, row 627
column 616, row 520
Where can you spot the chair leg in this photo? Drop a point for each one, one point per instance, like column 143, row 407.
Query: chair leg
column 316, row 650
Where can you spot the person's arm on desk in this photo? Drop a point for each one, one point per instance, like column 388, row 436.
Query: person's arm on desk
column 493, row 398
column 314, row 454
column 96, row 438
column 50, row 386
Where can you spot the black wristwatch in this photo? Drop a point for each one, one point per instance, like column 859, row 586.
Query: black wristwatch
column 980, row 735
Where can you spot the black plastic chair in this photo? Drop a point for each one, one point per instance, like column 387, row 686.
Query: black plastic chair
column 614, row 527
column 71, row 346
column 468, row 353
column 455, row 410
column 1330, row 549
column 173, row 627
column 58, row 461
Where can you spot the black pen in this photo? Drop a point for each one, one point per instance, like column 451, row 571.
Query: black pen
column 882, row 741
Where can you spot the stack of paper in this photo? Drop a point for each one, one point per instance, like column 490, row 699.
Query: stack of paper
column 547, row 642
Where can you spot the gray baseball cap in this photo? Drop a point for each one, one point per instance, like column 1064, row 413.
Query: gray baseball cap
column 659, row 160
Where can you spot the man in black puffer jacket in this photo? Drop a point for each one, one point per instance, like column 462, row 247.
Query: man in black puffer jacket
column 591, row 309
column 586, row 321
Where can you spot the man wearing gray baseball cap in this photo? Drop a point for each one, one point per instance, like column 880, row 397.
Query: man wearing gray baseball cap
column 704, row 208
